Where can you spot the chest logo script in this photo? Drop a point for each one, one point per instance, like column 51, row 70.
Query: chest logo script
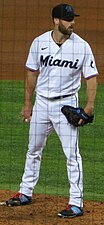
column 48, row 60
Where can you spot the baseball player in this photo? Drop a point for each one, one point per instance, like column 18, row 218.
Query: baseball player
column 56, row 61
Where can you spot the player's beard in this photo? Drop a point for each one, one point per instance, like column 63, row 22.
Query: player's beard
column 64, row 30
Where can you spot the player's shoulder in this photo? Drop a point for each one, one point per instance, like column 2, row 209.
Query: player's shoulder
column 78, row 38
column 43, row 36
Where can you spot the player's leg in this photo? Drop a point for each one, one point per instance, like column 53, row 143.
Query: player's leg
column 69, row 138
column 40, row 127
column 74, row 171
column 33, row 158
column 74, row 165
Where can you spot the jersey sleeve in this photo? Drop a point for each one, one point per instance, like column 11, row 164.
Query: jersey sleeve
column 89, row 68
column 32, row 59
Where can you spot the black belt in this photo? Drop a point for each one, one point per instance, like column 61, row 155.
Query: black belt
column 60, row 97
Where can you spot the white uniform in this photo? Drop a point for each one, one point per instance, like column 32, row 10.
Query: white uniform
column 60, row 69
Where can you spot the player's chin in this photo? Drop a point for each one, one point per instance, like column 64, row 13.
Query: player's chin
column 70, row 31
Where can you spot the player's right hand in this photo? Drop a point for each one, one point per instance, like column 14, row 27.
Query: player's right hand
column 26, row 112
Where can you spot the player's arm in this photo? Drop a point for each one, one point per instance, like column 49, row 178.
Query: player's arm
column 30, row 84
column 91, row 94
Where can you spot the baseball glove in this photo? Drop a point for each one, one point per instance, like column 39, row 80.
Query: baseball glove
column 73, row 115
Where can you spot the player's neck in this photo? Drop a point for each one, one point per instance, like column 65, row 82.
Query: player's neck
column 58, row 37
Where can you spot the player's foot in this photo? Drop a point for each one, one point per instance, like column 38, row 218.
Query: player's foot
column 71, row 211
column 19, row 199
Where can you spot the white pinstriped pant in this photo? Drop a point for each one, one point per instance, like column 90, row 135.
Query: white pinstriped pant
column 46, row 116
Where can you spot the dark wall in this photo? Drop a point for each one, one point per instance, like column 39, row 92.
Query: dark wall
column 22, row 20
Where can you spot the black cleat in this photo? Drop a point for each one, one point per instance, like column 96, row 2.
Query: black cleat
column 19, row 199
column 71, row 211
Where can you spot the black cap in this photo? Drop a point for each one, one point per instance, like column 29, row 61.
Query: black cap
column 64, row 12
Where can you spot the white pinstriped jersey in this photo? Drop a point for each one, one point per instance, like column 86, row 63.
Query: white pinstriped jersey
column 60, row 67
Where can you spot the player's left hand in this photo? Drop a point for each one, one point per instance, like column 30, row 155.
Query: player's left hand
column 76, row 116
column 89, row 111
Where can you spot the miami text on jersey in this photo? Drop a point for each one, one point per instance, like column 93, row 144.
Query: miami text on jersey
column 48, row 60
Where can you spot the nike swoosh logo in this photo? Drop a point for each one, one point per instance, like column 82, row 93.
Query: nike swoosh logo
column 44, row 48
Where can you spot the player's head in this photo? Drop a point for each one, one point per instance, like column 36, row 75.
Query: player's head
column 64, row 12
column 63, row 18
